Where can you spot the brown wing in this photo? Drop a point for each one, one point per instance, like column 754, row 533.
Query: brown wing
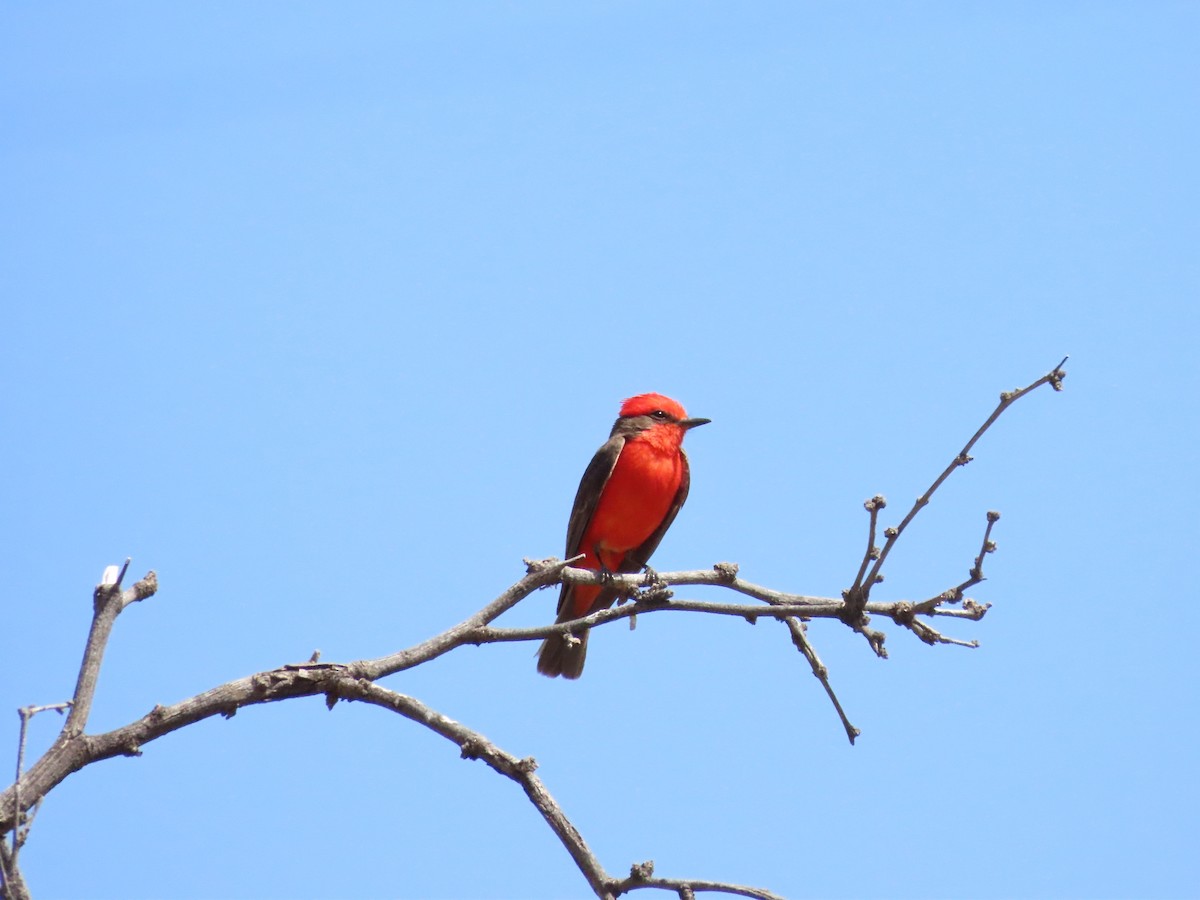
column 595, row 476
column 637, row 558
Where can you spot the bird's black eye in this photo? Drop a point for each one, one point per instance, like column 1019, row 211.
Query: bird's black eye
column 660, row 415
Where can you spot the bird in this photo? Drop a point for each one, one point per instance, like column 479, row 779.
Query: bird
column 628, row 497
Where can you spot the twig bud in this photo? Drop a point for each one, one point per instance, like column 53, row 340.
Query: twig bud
column 641, row 871
column 726, row 570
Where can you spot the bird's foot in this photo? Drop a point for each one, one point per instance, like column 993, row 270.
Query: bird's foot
column 652, row 579
column 654, row 589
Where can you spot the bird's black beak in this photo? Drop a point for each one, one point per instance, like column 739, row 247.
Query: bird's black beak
column 692, row 423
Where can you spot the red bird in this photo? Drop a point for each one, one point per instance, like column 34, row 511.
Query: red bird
column 629, row 496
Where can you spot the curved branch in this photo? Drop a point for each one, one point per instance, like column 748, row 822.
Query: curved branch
column 74, row 749
column 72, row 752
column 473, row 745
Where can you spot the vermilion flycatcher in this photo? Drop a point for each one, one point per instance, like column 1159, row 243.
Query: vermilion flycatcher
column 629, row 496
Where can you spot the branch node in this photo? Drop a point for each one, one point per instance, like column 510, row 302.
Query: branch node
column 875, row 639
column 975, row 608
column 549, row 564
column 528, row 765
column 147, row 587
column 469, row 749
column 642, row 871
column 651, row 578
column 103, row 593
column 727, row 570
column 1056, row 377
column 656, row 595
column 536, row 566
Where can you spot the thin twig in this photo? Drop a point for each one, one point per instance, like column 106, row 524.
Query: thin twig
column 858, row 595
column 489, row 634
column 872, row 506
column 641, row 875
column 124, row 569
column 931, row 636
column 539, row 574
column 1007, row 399
column 800, row 639
column 26, row 713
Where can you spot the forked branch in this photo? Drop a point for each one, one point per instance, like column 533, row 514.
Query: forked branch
column 859, row 592
column 74, row 749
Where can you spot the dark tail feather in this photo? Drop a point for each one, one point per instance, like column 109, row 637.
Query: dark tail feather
column 560, row 656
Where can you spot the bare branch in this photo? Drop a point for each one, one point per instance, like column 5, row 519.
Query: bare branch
column 73, row 749
column 540, row 573
column 12, row 884
column 859, row 593
column 800, row 638
column 872, row 506
column 905, row 613
column 474, row 745
column 26, row 713
column 1053, row 378
column 641, row 875
column 108, row 600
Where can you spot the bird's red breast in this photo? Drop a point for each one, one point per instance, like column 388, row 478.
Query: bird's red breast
column 632, row 505
column 628, row 497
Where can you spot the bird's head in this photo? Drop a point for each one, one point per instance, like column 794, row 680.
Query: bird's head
column 654, row 411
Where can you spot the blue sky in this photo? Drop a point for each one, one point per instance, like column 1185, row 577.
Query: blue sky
column 320, row 311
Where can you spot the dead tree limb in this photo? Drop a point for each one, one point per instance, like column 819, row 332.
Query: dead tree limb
column 74, row 748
